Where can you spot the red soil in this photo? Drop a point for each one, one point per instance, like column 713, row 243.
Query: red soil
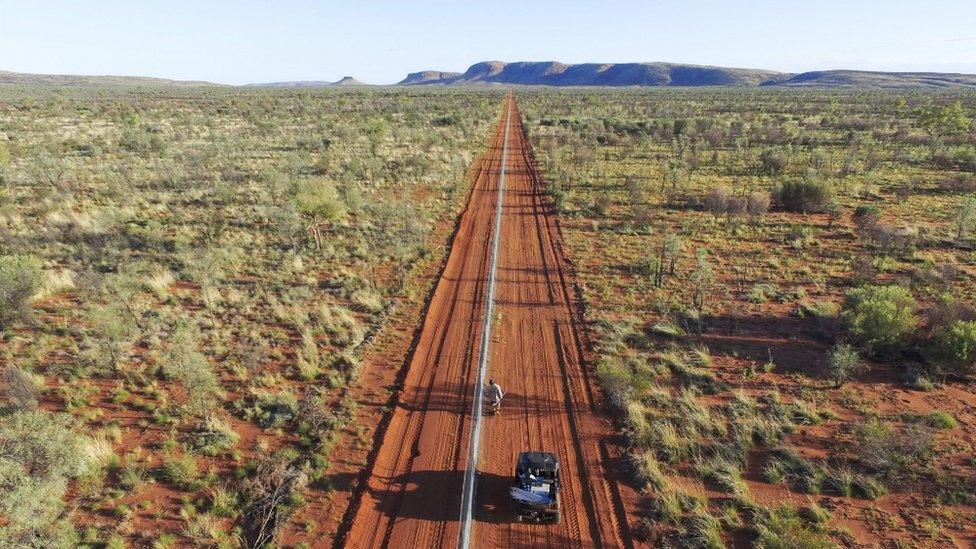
column 413, row 494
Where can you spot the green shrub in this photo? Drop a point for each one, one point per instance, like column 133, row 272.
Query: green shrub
column 21, row 277
column 666, row 506
column 803, row 195
column 308, row 358
column 881, row 317
column 917, row 380
column 955, row 348
column 181, row 471
column 164, row 541
column 668, row 444
column 773, row 162
column 840, row 482
column 866, row 216
column 269, row 409
column 761, row 293
column 689, row 367
column 601, row 204
column 729, row 477
column 213, row 435
column 816, row 515
column 823, row 311
column 39, row 452
column 223, row 503
column 941, row 420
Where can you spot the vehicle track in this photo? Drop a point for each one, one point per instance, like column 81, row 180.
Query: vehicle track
column 413, row 495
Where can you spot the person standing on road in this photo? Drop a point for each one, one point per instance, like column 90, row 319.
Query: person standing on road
column 494, row 394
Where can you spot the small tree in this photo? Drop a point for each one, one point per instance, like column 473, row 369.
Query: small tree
column 319, row 203
column 673, row 247
column 111, row 332
column 942, row 120
column 20, row 279
column 834, row 211
column 662, row 259
column 965, row 217
column 673, row 174
column 843, row 363
column 702, row 278
column 376, row 130
column 184, row 362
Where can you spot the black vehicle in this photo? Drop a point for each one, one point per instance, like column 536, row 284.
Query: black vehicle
column 535, row 490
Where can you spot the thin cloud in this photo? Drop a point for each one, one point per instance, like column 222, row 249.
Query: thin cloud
column 967, row 38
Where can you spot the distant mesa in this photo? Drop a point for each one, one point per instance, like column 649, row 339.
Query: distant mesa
column 873, row 79
column 345, row 81
column 554, row 73
column 28, row 79
column 429, row 77
column 348, row 81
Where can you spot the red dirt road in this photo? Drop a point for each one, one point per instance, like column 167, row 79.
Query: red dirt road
column 413, row 496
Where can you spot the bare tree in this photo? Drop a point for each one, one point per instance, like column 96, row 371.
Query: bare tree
column 268, row 493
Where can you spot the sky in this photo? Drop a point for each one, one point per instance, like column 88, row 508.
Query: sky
column 379, row 42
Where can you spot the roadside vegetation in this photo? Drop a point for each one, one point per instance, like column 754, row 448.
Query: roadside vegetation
column 782, row 288
column 188, row 279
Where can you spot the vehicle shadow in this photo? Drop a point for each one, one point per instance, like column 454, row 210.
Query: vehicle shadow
column 493, row 504
column 436, row 496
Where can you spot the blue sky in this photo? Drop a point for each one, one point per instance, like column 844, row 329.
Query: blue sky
column 380, row 41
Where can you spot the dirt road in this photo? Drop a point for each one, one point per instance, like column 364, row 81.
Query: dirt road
column 413, row 496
